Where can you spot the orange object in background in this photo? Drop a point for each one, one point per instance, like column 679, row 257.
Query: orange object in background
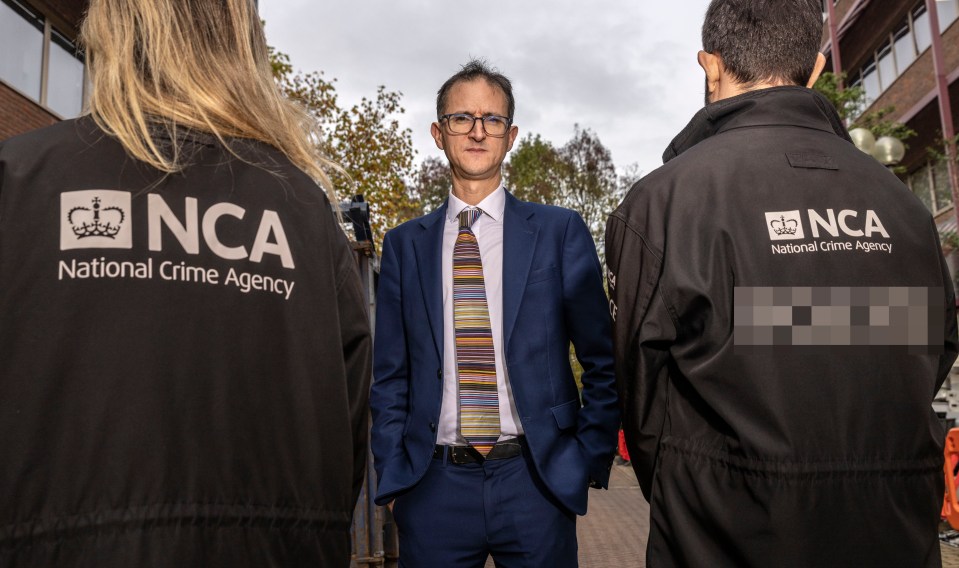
column 624, row 453
column 950, row 505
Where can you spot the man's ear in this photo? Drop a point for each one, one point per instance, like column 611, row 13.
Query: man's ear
column 817, row 70
column 511, row 137
column 712, row 65
column 437, row 135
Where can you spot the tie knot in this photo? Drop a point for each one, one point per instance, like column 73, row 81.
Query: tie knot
column 468, row 216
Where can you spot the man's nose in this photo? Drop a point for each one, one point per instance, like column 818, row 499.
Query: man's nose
column 477, row 133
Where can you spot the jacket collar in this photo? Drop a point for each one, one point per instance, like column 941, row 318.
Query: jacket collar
column 775, row 106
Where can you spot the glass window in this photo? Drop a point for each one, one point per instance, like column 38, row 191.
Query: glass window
column 920, row 27
column 887, row 66
column 21, row 46
column 919, row 183
column 870, row 81
column 948, row 10
column 943, row 192
column 905, row 48
column 65, row 87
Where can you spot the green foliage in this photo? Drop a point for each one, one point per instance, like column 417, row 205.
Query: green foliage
column 940, row 152
column 366, row 140
column 949, row 240
column 535, row 170
column 880, row 126
column 580, row 176
column 850, row 102
column 431, row 185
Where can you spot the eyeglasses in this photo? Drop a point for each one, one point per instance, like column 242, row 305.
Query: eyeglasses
column 495, row 126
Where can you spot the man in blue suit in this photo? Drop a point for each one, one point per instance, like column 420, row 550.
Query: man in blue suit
column 480, row 435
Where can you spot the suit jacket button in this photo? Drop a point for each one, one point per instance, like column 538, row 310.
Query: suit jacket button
column 439, row 373
column 433, row 426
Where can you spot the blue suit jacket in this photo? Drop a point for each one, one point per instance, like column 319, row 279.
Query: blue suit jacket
column 552, row 295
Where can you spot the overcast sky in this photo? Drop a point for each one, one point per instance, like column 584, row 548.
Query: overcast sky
column 624, row 68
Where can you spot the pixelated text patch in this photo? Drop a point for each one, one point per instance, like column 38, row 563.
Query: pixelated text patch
column 875, row 315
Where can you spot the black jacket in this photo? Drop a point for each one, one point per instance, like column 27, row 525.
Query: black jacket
column 184, row 359
column 789, row 436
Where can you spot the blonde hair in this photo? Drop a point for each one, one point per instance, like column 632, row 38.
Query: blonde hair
column 193, row 64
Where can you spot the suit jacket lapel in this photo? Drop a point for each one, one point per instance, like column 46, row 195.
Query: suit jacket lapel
column 519, row 244
column 429, row 252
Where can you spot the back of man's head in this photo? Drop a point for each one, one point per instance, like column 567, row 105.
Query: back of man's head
column 764, row 41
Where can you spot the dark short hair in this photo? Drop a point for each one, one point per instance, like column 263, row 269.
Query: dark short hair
column 765, row 40
column 477, row 69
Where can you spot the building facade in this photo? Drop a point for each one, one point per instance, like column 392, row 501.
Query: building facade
column 905, row 55
column 42, row 73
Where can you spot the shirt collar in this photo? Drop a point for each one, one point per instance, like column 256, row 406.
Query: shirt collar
column 493, row 205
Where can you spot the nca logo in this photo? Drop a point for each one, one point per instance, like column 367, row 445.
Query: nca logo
column 96, row 218
column 100, row 218
column 784, row 225
column 787, row 225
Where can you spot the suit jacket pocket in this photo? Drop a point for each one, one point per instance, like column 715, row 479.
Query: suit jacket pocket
column 541, row 274
column 566, row 414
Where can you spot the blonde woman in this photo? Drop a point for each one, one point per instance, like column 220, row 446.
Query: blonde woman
column 183, row 342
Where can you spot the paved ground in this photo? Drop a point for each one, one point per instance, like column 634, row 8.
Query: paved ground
column 950, row 556
column 613, row 533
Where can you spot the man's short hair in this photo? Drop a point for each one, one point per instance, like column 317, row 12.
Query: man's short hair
column 765, row 40
column 477, row 69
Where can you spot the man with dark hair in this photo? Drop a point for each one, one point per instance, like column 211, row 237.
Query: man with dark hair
column 783, row 318
column 480, row 436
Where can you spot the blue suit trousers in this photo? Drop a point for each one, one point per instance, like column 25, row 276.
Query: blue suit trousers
column 458, row 515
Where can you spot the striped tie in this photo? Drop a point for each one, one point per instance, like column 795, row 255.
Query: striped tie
column 476, row 366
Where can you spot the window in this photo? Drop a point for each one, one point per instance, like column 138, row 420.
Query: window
column 898, row 50
column 21, row 42
column 940, row 181
column 919, row 184
column 947, row 10
column 39, row 61
column 887, row 66
column 930, row 184
column 870, row 81
column 920, row 27
column 65, row 85
column 905, row 48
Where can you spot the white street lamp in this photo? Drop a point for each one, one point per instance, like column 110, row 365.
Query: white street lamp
column 889, row 150
column 863, row 139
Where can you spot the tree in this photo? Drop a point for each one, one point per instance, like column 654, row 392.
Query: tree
column 590, row 185
column 850, row 103
column 628, row 177
column 535, row 170
column 580, row 176
column 431, row 184
column 366, row 140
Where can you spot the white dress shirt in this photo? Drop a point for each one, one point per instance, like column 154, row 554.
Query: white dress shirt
column 488, row 229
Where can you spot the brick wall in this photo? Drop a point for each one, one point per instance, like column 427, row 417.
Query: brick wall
column 18, row 114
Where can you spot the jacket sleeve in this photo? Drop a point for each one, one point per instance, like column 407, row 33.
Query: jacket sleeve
column 586, row 312
column 389, row 397
column 357, row 346
column 950, row 341
column 643, row 331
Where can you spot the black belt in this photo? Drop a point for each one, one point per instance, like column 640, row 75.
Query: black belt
column 460, row 455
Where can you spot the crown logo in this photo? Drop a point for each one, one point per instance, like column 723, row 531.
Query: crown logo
column 784, row 226
column 96, row 221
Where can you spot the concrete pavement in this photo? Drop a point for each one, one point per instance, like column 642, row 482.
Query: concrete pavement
column 613, row 532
